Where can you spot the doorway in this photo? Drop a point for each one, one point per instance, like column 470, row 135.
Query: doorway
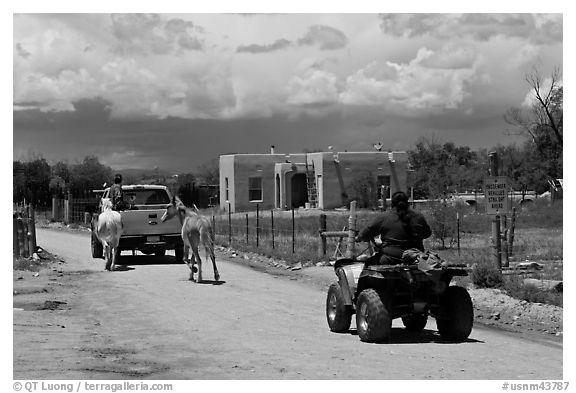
column 299, row 190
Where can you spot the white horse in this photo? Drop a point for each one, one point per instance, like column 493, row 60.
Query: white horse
column 108, row 230
column 196, row 229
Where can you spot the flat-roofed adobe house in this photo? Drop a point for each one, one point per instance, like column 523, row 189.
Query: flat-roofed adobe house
column 320, row 180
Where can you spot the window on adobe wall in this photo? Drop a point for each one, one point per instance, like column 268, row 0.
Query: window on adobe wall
column 255, row 189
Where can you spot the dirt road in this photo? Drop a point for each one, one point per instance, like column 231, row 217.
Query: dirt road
column 149, row 322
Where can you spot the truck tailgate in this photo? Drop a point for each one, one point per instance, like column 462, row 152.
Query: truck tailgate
column 147, row 222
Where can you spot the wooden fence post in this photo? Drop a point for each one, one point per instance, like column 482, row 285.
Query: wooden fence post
column 257, row 225
column 511, row 232
column 322, row 240
column 504, row 243
column 458, row 230
column 351, row 241
column 16, row 238
column 272, row 226
column 32, row 227
column 496, row 237
column 229, row 226
column 22, row 238
column 247, row 241
column 293, row 233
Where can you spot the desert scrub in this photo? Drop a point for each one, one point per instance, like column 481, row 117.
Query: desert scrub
column 487, row 276
column 515, row 287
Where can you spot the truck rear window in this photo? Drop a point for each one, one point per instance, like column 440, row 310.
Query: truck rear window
column 146, row 197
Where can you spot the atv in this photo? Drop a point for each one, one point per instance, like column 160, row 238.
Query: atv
column 377, row 294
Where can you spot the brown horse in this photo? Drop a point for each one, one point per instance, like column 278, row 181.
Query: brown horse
column 196, row 229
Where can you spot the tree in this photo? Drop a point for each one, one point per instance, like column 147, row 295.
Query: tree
column 89, row 175
column 31, row 181
column 543, row 121
column 209, row 172
column 439, row 168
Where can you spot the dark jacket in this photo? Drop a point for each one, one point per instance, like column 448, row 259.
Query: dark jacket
column 116, row 196
column 397, row 236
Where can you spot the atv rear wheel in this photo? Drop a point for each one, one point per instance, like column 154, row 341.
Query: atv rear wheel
column 373, row 320
column 455, row 315
column 415, row 322
column 338, row 314
column 96, row 247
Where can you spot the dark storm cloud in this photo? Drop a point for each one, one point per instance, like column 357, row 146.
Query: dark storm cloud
column 483, row 27
column 275, row 46
column 324, row 37
column 151, row 34
column 22, row 52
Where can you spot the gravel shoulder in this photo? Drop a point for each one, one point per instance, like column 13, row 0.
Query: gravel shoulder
column 492, row 307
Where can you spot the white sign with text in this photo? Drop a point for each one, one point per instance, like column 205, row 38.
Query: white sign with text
column 496, row 193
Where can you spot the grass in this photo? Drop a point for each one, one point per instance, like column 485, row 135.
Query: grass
column 538, row 237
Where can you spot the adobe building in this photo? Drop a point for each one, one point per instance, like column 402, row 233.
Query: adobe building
column 321, row 180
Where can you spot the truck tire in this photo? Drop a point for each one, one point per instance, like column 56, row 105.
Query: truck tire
column 179, row 253
column 415, row 322
column 96, row 247
column 455, row 315
column 373, row 320
column 338, row 314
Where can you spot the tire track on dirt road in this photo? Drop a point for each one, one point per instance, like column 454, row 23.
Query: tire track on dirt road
column 149, row 321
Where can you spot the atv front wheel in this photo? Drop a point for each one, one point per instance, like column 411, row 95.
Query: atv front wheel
column 415, row 322
column 455, row 315
column 338, row 314
column 373, row 320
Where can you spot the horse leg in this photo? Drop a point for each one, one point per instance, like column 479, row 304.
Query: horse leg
column 198, row 261
column 107, row 256
column 210, row 252
column 114, row 253
column 186, row 259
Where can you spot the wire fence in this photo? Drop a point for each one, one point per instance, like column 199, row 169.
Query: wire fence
column 295, row 234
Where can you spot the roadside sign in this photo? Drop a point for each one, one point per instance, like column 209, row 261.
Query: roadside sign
column 496, row 193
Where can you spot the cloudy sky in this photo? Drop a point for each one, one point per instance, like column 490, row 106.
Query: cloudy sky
column 175, row 90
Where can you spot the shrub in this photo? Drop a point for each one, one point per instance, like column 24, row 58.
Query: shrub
column 486, row 276
column 515, row 288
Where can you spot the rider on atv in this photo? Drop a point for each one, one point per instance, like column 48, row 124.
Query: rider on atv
column 399, row 229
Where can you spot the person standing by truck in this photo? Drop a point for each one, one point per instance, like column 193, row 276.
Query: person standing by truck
column 116, row 194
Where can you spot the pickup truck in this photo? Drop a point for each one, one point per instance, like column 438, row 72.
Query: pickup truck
column 143, row 229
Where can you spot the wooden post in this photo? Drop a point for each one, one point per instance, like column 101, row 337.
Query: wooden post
column 322, row 241
column 257, row 225
column 229, row 226
column 15, row 239
column 32, row 227
column 458, row 230
column 504, row 228
column 511, row 232
column 497, row 252
column 247, row 241
column 272, row 226
column 351, row 241
column 22, row 238
column 293, row 232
